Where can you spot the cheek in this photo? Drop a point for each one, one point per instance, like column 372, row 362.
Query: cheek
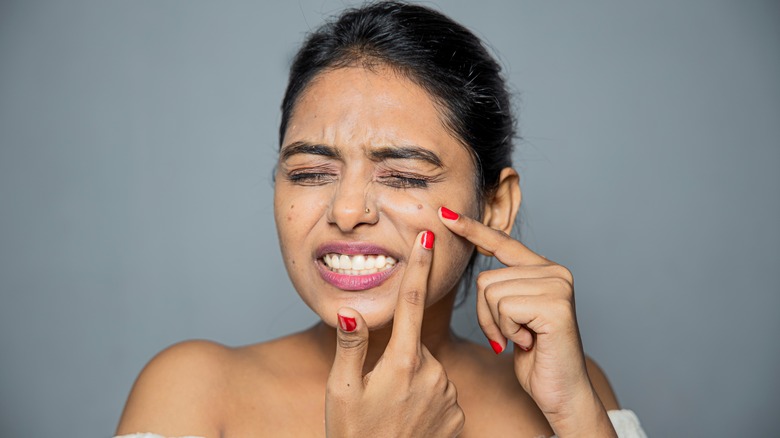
column 412, row 212
column 295, row 215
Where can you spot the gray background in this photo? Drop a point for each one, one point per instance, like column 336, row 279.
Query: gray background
column 137, row 141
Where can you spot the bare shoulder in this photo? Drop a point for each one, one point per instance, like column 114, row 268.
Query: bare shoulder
column 203, row 388
column 179, row 391
column 602, row 386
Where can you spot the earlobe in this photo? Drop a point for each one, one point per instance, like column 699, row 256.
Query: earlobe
column 500, row 211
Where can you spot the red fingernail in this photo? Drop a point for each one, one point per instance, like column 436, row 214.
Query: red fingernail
column 427, row 240
column 347, row 324
column 446, row 213
column 524, row 348
column 496, row 346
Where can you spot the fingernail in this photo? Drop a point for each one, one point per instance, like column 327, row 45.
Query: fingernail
column 427, row 240
column 446, row 213
column 524, row 348
column 347, row 324
column 496, row 346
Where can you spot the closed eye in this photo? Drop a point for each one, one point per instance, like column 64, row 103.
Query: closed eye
column 310, row 178
column 402, row 181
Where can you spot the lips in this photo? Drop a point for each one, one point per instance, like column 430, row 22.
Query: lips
column 354, row 266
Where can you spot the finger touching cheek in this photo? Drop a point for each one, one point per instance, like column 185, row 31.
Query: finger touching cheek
column 410, row 213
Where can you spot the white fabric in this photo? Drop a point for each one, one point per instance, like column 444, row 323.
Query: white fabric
column 625, row 422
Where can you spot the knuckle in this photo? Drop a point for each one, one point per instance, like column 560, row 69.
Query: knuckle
column 561, row 285
column 506, row 324
column 413, row 296
column 504, row 305
column 351, row 343
column 438, row 382
column 335, row 391
column 504, row 241
column 565, row 273
column 482, row 280
column 409, row 362
column 453, row 391
column 459, row 419
column 420, row 260
column 492, row 294
column 502, row 235
column 486, row 324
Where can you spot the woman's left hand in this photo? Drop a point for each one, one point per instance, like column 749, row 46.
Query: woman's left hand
column 531, row 303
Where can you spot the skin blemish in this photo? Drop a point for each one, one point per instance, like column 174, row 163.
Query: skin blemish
column 419, row 206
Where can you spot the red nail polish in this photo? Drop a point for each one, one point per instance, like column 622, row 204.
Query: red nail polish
column 427, row 240
column 524, row 348
column 496, row 346
column 347, row 324
column 446, row 213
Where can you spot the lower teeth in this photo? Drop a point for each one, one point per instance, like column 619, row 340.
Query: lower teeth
column 361, row 272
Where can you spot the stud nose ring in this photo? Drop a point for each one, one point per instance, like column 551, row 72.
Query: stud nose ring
column 368, row 210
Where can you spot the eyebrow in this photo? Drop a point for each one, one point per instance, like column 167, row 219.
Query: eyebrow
column 301, row 147
column 407, row 152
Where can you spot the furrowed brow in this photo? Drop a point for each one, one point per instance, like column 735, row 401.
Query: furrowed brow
column 405, row 153
column 301, row 147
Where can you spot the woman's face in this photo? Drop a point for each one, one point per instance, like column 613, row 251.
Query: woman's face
column 368, row 139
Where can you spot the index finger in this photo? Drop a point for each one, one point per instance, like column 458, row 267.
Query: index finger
column 407, row 321
column 503, row 247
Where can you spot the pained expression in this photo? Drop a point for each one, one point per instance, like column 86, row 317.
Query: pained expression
column 368, row 139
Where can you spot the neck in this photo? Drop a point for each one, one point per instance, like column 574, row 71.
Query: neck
column 435, row 334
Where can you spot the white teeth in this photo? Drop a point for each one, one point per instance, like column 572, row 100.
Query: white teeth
column 359, row 264
column 345, row 262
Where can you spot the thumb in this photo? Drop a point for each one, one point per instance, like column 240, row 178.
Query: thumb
column 351, row 346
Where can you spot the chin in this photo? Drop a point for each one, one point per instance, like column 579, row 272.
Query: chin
column 376, row 313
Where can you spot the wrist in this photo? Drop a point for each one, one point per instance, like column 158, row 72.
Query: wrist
column 585, row 415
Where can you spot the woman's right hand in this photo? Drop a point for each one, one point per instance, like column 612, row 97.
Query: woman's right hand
column 408, row 392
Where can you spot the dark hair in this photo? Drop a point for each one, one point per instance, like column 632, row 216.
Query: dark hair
column 440, row 55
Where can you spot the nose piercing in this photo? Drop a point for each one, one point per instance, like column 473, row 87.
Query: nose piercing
column 368, row 210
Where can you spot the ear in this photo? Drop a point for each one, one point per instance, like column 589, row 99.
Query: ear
column 501, row 210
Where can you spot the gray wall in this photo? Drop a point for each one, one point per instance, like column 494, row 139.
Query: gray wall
column 136, row 145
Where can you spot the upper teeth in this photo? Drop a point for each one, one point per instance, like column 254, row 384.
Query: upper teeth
column 358, row 264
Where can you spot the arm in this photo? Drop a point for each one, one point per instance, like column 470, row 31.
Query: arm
column 601, row 385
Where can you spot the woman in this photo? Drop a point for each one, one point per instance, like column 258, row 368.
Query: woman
column 394, row 167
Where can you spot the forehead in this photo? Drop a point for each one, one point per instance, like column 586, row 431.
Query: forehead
column 354, row 106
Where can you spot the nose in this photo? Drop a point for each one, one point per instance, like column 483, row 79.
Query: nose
column 350, row 207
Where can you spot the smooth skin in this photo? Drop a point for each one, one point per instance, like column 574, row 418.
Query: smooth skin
column 405, row 371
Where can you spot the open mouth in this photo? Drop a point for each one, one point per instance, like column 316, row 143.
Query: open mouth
column 358, row 264
column 356, row 272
